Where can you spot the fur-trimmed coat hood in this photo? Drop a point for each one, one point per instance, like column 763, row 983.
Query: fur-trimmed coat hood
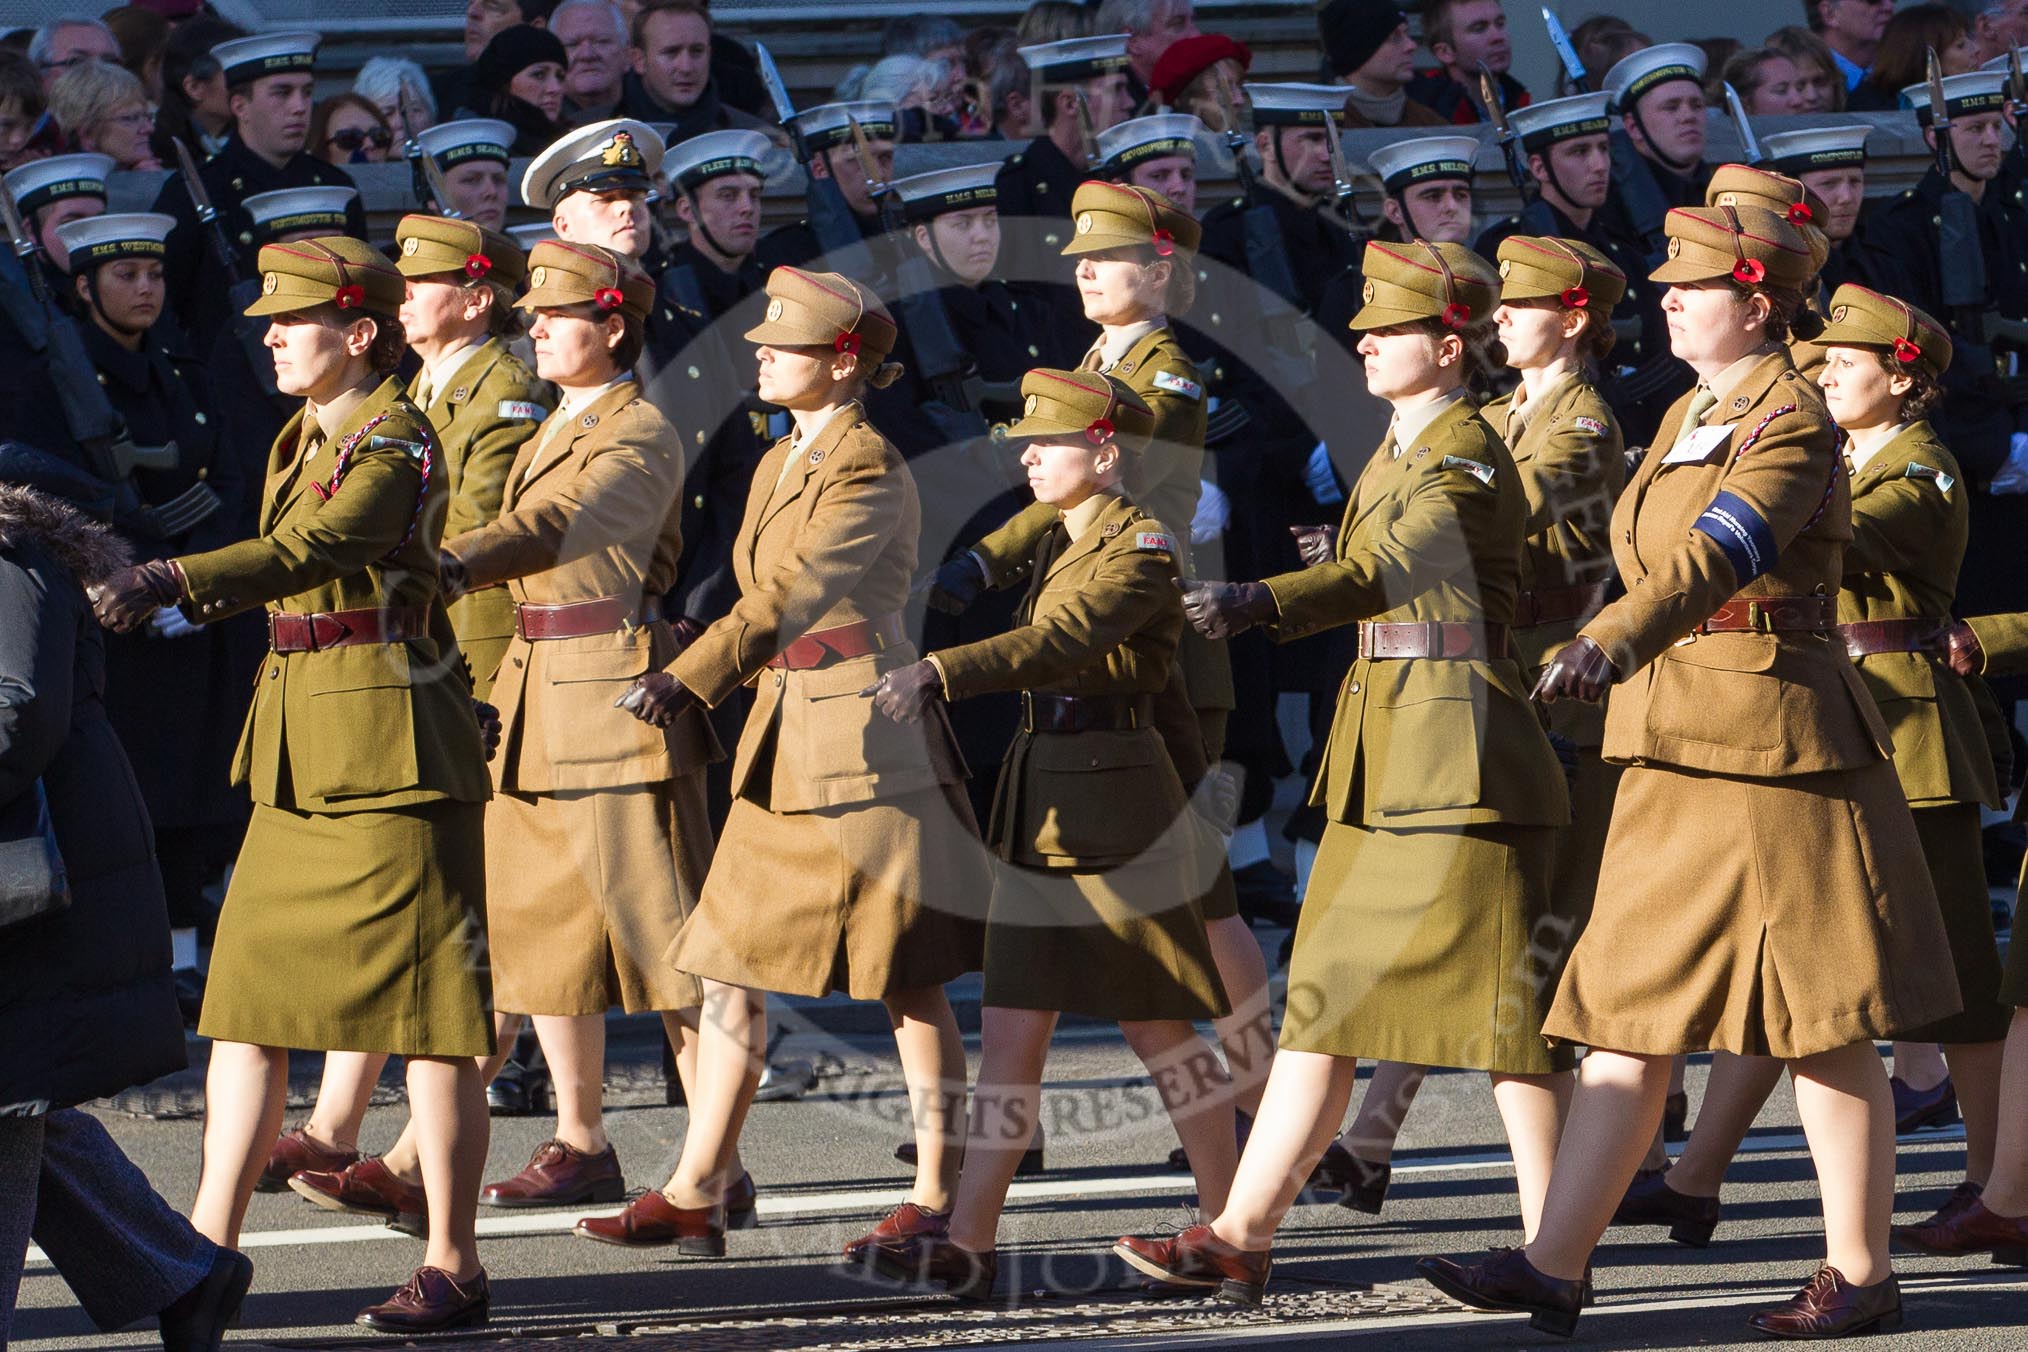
column 89, row 550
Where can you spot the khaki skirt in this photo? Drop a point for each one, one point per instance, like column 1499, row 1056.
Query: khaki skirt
column 1581, row 845
column 1952, row 847
column 1431, row 947
column 868, row 898
column 360, row 931
column 587, row 889
column 1766, row 917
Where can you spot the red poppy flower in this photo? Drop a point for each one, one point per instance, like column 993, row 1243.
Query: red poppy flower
column 1575, row 297
column 1456, row 316
column 1165, row 243
column 1800, row 214
column 350, row 297
column 608, row 298
column 1906, row 352
column 1099, row 432
column 1749, row 271
column 847, row 344
column 477, row 265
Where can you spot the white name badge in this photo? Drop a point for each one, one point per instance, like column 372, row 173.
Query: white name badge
column 1698, row 446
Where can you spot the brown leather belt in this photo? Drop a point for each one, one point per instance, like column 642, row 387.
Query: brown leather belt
column 1436, row 639
column 1553, row 605
column 580, row 619
column 822, row 647
column 1913, row 634
column 290, row 633
column 1773, row 615
column 1085, row 713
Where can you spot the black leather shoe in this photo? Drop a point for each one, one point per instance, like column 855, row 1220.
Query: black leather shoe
column 1676, row 1118
column 1651, row 1201
column 1030, row 1165
column 1831, row 1307
column 1507, row 1281
column 1361, row 1185
column 1919, row 1109
column 196, row 1321
column 518, row 1091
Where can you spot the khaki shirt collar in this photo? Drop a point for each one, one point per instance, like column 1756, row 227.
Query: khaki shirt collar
column 441, row 373
column 1410, row 423
column 1524, row 407
column 1727, row 382
column 1083, row 518
column 1116, row 343
column 1862, row 456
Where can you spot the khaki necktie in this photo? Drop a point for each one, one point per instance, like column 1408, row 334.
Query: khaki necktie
column 1094, row 360
column 1701, row 403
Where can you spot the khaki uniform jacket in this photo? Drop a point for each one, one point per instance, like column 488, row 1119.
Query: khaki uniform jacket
column 494, row 404
column 590, row 510
column 369, row 726
column 1704, row 702
column 1571, row 459
column 828, row 539
column 1103, row 620
column 1432, row 534
column 1910, row 520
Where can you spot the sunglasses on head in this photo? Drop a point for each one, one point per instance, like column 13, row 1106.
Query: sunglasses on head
column 350, row 139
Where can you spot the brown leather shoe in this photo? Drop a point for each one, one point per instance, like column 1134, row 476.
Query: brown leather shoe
column 1972, row 1229
column 1198, row 1258
column 1651, row 1201
column 1507, row 1281
column 1831, row 1307
column 365, row 1188
column 433, row 1300
column 907, row 1221
column 295, row 1152
column 558, row 1175
column 932, row 1260
column 652, row 1221
column 1361, row 1185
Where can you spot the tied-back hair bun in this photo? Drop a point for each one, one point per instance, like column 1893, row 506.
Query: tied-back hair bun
column 885, row 374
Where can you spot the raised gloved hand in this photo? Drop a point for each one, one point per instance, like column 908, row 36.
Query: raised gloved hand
column 956, row 585
column 1963, row 650
column 1321, row 477
column 129, row 598
column 1216, row 798
column 1219, row 610
column 489, row 726
column 1213, row 515
column 1580, row 670
column 905, row 693
column 656, row 699
column 169, row 622
column 1315, row 544
column 451, row 577
column 2012, row 476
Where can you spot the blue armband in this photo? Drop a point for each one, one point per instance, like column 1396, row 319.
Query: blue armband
column 1742, row 533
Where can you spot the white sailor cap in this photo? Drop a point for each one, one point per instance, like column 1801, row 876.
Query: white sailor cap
column 1633, row 76
column 1296, row 105
column 1542, row 125
column 1424, row 159
column 116, row 235
column 960, row 189
column 1139, row 139
column 830, row 124
column 715, row 154
column 1999, row 62
column 246, row 59
column 1076, row 58
column 469, row 138
column 1975, row 91
column 1798, row 152
column 290, row 211
column 39, row 182
column 532, row 234
column 617, row 154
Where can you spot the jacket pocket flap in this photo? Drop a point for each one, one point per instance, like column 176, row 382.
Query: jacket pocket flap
column 598, row 664
column 847, row 677
column 1729, row 652
column 366, row 666
column 1088, row 751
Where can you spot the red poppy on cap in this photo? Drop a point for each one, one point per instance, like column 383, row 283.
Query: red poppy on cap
column 608, row 298
column 1575, row 297
column 847, row 344
column 1800, row 214
column 1749, row 271
column 1456, row 316
column 1165, row 243
column 477, row 265
column 1099, row 432
column 1906, row 352
column 350, row 297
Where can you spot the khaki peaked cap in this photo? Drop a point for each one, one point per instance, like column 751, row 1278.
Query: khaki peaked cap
column 1421, row 280
column 561, row 274
column 1087, row 405
column 825, row 309
column 437, row 244
column 1574, row 272
column 1864, row 318
column 328, row 270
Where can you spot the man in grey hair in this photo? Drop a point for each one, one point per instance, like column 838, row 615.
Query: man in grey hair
column 594, row 37
column 1151, row 26
column 58, row 46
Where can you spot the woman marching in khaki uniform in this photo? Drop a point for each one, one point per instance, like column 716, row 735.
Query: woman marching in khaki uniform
column 1442, row 791
column 1095, row 916
column 1766, row 887
column 1881, row 362
column 850, row 855
column 367, row 773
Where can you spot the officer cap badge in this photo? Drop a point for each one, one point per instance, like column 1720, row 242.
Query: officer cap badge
column 1675, row 246
column 1838, row 315
column 1084, row 223
column 536, row 277
column 1506, row 266
column 774, row 309
column 1366, row 293
column 620, row 152
column 268, row 284
column 408, row 246
column 1028, row 408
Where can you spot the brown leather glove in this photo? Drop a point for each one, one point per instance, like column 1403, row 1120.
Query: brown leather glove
column 954, row 585
column 1316, row 544
column 1963, row 650
column 489, row 726
column 906, row 693
column 1580, row 670
column 127, row 599
column 687, row 631
column 451, row 578
column 656, row 699
column 1218, row 610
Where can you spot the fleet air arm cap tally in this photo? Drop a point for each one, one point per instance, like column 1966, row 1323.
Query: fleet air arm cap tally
column 330, row 270
column 1140, row 139
column 1421, row 280
column 825, row 309
column 110, row 238
column 1863, row 318
column 714, row 154
column 1087, row 406
column 1966, row 95
column 1296, row 105
column 1577, row 275
column 293, row 211
column 561, row 273
column 617, row 155
column 1800, row 152
column 433, row 245
column 1751, row 245
column 1542, row 125
column 1116, row 215
column 830, row 124
column 58, row 178
column 1075, row 59
column 1742, row 185
column 1424, row 159
column 963, row 188
column 247, row 59
column 451, row 144
column 1650, row 68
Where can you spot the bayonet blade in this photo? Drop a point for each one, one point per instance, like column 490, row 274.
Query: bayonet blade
column 1085, row 132
column 1559, row 39
column 875, row 188
column 193, row 183
column 1745, row 128
column 2017, row 88
column 1939, row 111
column 1489, row 94
column 17, row 230
column 771, row 77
